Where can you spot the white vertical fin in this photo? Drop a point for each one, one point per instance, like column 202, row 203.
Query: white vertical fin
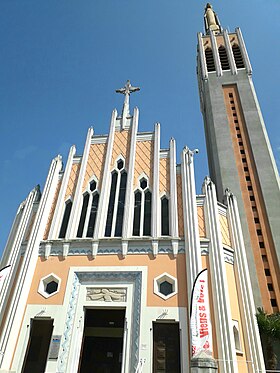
column 75, row 216
column 216, row 56
column 106, row 177
column 11, row 327
column 222, row 311
column 155, row 195
column 229, row 53
column 244, row 288
column 60, row 205
column 191, row 231
column 129, row 205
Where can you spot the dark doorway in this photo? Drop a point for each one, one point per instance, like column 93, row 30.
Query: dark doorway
column 166, row 351
column 38, row 346
column 102, row 341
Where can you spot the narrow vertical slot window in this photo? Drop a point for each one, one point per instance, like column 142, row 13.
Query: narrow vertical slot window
column 164, row 216
column 223, row 58
column 111, row 206
column 92, row 216
column 65, row 220
column 83, row 215
column 147, row 214
column 137, row 213
column 209, row 59
column 121, row 202
column 237, row 56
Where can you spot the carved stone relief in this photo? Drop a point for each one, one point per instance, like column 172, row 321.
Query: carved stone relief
column 106, row 294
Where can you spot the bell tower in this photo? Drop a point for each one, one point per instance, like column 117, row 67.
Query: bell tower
column 239, row 153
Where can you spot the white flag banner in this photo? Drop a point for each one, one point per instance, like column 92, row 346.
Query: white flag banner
column 201, row 329
column 4, row 273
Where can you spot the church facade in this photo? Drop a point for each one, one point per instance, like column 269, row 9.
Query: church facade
column 103, row 262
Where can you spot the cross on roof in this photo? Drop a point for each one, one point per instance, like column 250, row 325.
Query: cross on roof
column 127, row 89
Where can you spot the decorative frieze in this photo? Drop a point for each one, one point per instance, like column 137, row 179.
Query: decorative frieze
column 106, row 294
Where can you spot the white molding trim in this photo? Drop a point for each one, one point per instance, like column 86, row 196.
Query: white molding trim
column 173, row 208
column 229, row 53
column 60, row 205
column 219, row 71
column 155, row 192
column 129, row 195
column 75, row 216
column 12, row 251
column 164, row 153
column 219, row 284
column 202, row 57
column 12, row 323
column 244, row 51
column 145, row 136
column 191, row 231
column 99, row 139
column 244, row 288
column 105, row 192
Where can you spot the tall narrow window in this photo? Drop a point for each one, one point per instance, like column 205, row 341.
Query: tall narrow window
column 89, row 211
column 111, row 204
column 209, row 59
column 65, row 220
column 147, row 214
column 114, row 223
column 223, row 58
column 121, row 202
column 83, row 215
column 142, row 210
column 164, row 216
column 137, row 213
column 92, row 216
column 237, row 56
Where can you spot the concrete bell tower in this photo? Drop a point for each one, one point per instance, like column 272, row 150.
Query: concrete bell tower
column 239, row 153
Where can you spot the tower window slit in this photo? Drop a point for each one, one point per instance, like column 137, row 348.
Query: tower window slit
column 147, row 214
column 223, row 58
column 137, row 213
column 237, row 56
column 209, row 59
column 121, row 202
column 65, row 220
column 83, row 215
column 261, row 245
column 111, row 204
column 164, row 216
column 92, row 216
column 270, row 287
column 273, row 302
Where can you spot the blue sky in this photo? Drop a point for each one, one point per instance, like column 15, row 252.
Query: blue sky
column 61, row 62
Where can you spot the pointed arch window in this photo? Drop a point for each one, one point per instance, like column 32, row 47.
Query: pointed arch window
column 89, row 211
column 237, row 56
column 223, row 58
column 165, row 216
column 209, row 60
column 142, row 210
column 65, row 220
column 114, row 223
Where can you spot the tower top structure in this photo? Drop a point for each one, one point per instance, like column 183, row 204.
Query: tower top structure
column 211, row 20
column 126, row 91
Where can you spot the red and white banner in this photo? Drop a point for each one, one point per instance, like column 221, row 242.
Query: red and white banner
column 4, row 273
column 201, row 330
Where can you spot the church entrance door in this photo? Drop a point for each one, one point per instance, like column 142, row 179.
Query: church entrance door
column 166, row 352
column 102, row 341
